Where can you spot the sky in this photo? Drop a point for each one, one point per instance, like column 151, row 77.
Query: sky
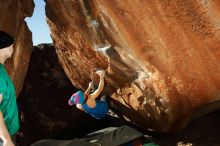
column 38, row 25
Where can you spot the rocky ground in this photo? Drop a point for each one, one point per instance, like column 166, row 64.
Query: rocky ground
column 202, row 132
column 46, row 114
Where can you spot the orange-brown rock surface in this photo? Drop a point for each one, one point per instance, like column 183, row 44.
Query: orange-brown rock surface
column 162, row 68
column 12, row 15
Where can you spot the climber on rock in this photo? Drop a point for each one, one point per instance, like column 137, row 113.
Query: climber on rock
column 9, row 121
column 88, row 102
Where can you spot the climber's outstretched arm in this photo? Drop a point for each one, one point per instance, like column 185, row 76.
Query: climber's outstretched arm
column 97, row 92
column 88, row 89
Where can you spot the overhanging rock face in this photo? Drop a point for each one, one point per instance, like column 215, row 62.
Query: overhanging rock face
column 162, row 68
column 13, row 13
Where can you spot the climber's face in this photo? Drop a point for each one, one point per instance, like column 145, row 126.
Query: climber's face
column 7, row 52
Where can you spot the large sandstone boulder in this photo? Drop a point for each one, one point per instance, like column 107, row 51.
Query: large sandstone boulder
column 44, row 102
column 12, row 15
column 163, row 66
